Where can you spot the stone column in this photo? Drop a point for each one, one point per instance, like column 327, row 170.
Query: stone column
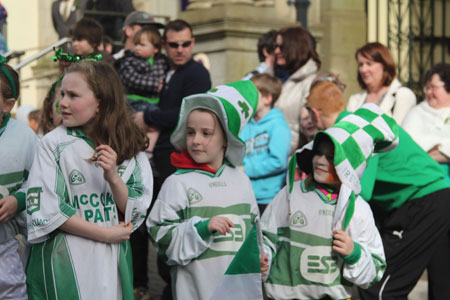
column 227, row 31
column 342, row 30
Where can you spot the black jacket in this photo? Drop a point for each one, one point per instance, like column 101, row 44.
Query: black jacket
column 191, row 78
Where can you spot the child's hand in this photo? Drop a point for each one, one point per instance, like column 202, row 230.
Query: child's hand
column 8, row 208
column 342, row 243
column 220, row 224
column 107, row 158
column 118, row 233
column 264, row 265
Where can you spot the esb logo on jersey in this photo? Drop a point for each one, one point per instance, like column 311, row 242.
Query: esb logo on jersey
column 319, row 264
column 233, row 240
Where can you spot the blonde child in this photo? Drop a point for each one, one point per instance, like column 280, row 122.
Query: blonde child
column 143, row 69
column 320, row 235
column 267, row 138
column 17, row 147
column 207, row 207
column 89, row 187
column 51, row 116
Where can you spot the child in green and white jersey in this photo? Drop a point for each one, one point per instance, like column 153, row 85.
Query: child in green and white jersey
column 90, row 186
column 205, row 210
column 17, row 146
column 320, row 235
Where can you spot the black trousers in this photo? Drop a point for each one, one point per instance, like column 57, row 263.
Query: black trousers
column 139, row 239
column 415, row 236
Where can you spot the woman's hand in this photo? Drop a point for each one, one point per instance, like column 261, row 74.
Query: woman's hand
column 118, row 233
column 107, row 159
column 220, row 224
column 342, row 243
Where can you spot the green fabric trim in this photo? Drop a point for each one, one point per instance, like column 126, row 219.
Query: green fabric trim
column 249, row 94
column 151, row 61
column 291, row 171
column 303, row 237
column 380, row 267
column 77, row 132
column 10, row 178
column 135, row 97
column 211, row 211
column 353, row 257
column 126, row 270
column 4, row 123
column 21, row 201
column 313, row 187
column 50, row 273
column 64, row 272
column 135, row 183
column 203, row 230
column 350, row 210
column 234, row 121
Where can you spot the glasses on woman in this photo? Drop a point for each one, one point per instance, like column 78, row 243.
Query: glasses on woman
column 279, row 46
column 432, row 87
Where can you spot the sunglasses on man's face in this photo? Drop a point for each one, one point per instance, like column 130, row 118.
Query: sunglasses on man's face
column 175, row 45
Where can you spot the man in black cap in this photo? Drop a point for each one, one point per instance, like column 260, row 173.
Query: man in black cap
column 132, row 24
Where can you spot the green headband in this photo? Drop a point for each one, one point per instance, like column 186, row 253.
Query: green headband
column 69, row 59
column 8, row 76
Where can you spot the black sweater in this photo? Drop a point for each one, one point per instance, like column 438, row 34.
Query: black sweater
column 191, row 78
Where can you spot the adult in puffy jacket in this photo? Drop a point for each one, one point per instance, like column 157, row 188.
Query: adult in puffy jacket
column 296, row 65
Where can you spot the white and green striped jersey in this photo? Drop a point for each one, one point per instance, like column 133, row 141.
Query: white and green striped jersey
column 17, row 146
column 187, row 198
column 297, row 230
column 63, row 182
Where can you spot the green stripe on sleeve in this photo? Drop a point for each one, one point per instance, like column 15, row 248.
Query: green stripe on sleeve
column 126, row 270
column 203, row 230
column 353, row 257
column 10, row 178
column 21, row 201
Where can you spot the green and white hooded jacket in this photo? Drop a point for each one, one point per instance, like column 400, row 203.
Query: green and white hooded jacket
column 62, row 183
column 298, row 223
column 17, row 146
column 178, row 222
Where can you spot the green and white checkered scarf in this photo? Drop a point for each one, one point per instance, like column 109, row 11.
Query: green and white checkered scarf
column 356, row 137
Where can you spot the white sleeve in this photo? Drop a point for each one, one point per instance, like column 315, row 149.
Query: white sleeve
column 47, row 198
column 176, row 238
column 416, row 124
column 270, row 222
column 369, row 267
column 404, row 101
column 140, row 191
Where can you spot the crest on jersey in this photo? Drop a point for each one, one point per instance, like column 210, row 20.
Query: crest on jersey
column 298, row 220
column 76, row 178
column 34, row 199
column 194, row 196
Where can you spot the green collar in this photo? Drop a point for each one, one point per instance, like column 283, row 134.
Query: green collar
column 4, row 123
column 77, row 132
column 313, row 187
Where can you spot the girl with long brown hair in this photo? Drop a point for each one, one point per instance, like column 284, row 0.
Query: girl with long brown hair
column 96, row 190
